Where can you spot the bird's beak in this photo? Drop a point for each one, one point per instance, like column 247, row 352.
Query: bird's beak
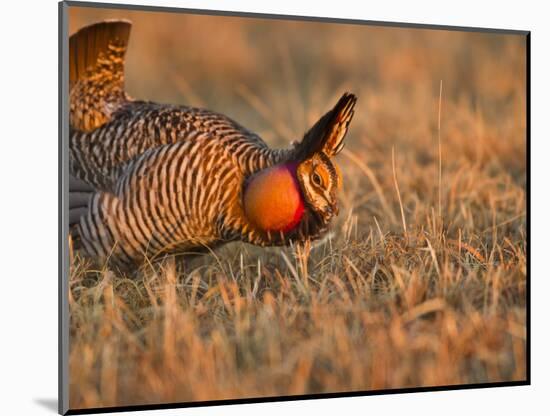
column 334, row 207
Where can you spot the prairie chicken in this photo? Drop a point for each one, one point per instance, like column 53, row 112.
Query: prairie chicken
column 150, row 179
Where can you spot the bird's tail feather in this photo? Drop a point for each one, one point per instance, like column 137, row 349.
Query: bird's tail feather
column 96, row 72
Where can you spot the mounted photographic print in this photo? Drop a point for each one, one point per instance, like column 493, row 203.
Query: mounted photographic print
column 266, row 208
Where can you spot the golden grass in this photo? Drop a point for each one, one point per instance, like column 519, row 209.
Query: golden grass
column 421, row 280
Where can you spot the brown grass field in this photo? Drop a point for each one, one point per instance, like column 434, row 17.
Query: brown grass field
column 422, row 278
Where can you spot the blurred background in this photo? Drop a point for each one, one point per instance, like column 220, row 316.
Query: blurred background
column 277, row 77
column 290, row 71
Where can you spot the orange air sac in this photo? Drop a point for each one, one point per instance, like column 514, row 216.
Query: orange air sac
column 273, row 200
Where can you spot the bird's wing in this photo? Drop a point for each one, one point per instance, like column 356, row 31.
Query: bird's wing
column 96, row 72
column 79, row 198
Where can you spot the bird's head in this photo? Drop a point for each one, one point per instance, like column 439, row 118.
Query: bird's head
column 300, row 195
column 319, row 178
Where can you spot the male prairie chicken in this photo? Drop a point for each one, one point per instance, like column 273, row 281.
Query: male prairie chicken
column 150, row 179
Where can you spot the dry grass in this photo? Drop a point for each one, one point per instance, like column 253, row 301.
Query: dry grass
column 421, row 281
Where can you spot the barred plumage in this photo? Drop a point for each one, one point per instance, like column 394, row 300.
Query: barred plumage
column 173, row 179
column 98, row 156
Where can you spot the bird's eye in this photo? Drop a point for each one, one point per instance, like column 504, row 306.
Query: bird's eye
column 316, row 178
